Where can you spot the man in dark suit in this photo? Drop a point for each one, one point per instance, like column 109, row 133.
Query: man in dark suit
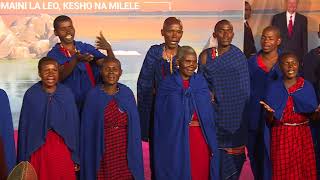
column 293, row 28
column 249, row 48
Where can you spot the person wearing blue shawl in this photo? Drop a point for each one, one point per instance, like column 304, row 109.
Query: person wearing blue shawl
column 7, row 147
column 78, row 62
column 185, row 145
column 110, row 131
column 290, row 104
column 226, row 70
column 48, row 134
column 263, row 69
column 159, row 63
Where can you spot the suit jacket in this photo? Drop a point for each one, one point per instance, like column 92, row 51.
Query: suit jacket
column 249, row 48
column 298, row 43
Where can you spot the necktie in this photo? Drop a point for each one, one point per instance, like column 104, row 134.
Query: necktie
column 290, row 27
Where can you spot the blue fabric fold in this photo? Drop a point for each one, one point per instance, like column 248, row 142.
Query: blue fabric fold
column 173, row 111
column 92, row 131
column 259, row 83
column 42, row 111
column 6, row 131
column 228, row 79
column 154, row 69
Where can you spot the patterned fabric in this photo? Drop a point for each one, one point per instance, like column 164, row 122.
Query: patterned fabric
column 114, row 163
column 52, row 160
column 228, row 78
column 292, row 151
column 154, row 69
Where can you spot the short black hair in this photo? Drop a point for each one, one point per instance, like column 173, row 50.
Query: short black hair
column 274, row 29
column 59, row 19
column 287, row 55
column 172, row 20
column 45, row 60
column 108, row 59
column 223, row 21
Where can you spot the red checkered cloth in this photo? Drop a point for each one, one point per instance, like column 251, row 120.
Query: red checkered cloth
column 114, row 163
column 199, row 150
column 292, row 150
column 52, row 160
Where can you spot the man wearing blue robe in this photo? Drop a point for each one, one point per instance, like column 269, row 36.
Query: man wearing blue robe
column 92, row 129
column 159, row 63
column 7, row 147
column 261, row 75
column 226, row 70
column 78, row 61
column 173, row 112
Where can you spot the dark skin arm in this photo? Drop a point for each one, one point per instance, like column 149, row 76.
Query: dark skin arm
column 316, row 114
column 203, row 57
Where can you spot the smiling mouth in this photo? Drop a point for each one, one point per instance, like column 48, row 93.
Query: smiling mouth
column 69, row 37
column 291, row 72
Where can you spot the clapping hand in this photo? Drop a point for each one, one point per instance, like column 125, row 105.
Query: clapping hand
column 86, row 57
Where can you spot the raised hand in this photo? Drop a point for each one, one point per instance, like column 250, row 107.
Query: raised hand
column 102, row 43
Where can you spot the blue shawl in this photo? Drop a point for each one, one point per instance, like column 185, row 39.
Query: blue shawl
column 41, row 111
column 259, row 82
column 92, row 130
column 78, row 81
column 173, row 112
column 305, row 101
column 154, row 69
column 6, row 131
column 228, row 78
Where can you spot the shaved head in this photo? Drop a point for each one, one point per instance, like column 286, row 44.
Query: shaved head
column 170, row 21
column 273, row 29
column 220, row 23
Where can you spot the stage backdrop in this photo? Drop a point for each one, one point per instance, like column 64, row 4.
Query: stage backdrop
column 263, row 10
column 26, row 32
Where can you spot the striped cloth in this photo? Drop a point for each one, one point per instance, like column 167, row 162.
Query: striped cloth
column 292, row 151
column 228, row 78
column 114, row 163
